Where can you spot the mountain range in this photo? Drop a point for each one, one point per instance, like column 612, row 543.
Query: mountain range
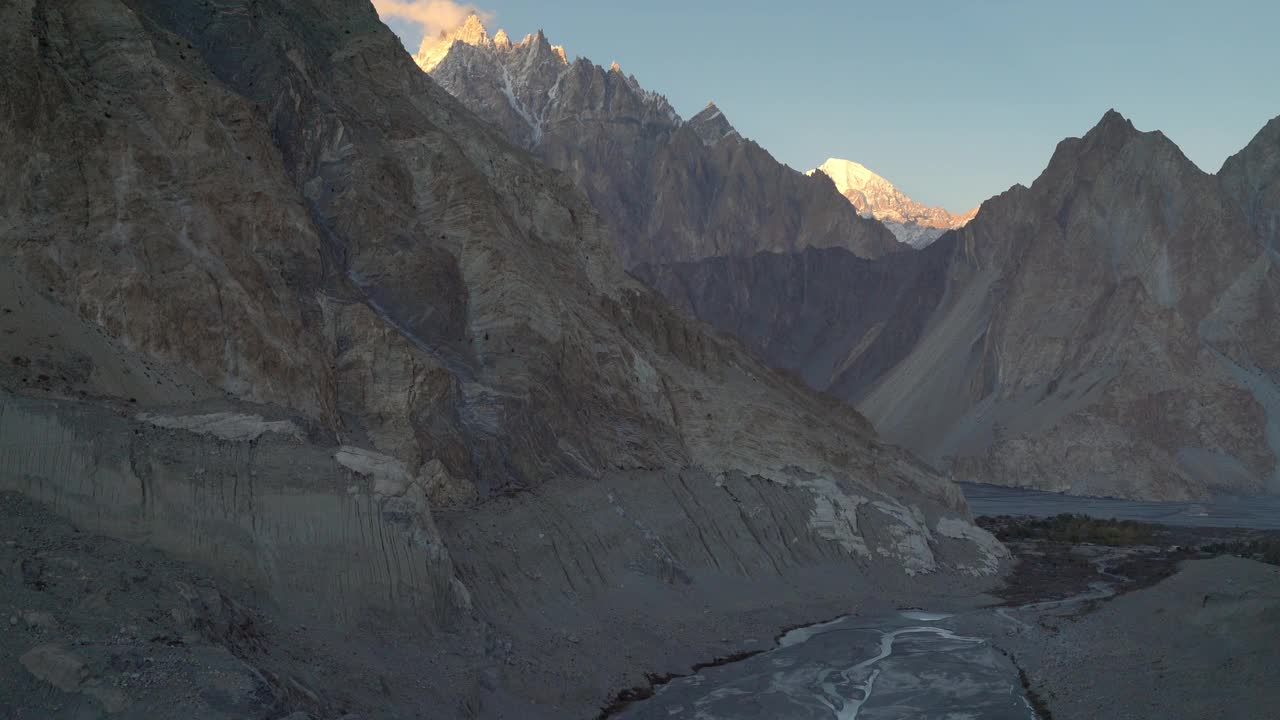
column 667, row 188
column 1109, row 330
column 1103, row 331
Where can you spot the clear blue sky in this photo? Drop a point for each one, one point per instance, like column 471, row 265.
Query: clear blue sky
column 953, row 101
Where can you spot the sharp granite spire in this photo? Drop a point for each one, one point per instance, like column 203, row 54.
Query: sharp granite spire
column 474, row 33
column 711, row 125
column 471, row 32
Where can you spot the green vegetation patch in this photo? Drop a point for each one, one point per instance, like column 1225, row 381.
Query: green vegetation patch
column 1071, row 528
column 1267, row 550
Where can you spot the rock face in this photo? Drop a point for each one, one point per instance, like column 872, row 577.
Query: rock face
column 668, row 190
column 911, row 222
column 837, row 320
column 1109, row 330
column 1251, row 178
column 275, row 302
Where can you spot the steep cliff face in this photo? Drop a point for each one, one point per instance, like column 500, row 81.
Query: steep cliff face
column 1109, row 330
column 912, row 222
column 270, row 294
column 837, row 320
column 668, row 190
column 1252, row 179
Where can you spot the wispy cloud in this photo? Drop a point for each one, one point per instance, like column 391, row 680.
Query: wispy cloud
column 436, row 17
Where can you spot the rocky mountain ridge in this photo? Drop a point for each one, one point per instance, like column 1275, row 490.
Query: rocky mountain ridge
column 1109, row 330
column 667, row 189
column 911, row 222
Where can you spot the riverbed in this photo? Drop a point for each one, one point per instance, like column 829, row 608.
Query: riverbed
column 912, row 664
column 920, row 664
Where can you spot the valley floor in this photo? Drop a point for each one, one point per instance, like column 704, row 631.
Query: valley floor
column 1099, row 618
column 1161, row 622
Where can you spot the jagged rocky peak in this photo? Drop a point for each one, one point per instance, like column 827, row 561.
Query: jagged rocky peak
column 1115, row 150
column 711, row 125
column 910, row 221
column 1113, row 124
column 473, row 32
column 540, row 42
column 435, row 48
column 532, row 44
column 1102, row 144
column 527, row 86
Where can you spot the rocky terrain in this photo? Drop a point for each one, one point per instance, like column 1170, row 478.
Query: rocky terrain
column 1108, row 330
column 667, row 189
column 277, row 305
column 94, row 626
column 911, row 222
column 1161, row 625
column 1196, row 646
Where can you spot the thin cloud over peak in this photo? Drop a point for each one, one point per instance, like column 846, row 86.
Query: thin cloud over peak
column 437, row 17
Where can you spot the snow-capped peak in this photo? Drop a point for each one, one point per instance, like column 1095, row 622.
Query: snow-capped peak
column 874, row 196
column 847, row 174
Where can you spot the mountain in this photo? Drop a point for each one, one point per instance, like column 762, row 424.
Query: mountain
column 277, row 304
column 911, row 222
column 1106, row 332
column 667, row 189
column 1109, row 330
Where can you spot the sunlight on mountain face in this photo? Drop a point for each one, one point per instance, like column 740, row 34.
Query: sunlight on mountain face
column 911, row 222
column 440, row 19
column 473, row 32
